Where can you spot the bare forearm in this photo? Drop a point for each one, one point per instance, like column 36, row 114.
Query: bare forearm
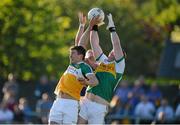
column 91, row 82
column 85, row 38
column 94, row 41
column 114, row 38
column 116, row 45
column 79, row 34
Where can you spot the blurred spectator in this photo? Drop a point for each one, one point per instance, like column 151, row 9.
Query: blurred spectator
column 18, row 115
column 134, row 96
column 118, row 110
column 11, row 85
column 177, row 97
column 6, row 115
column 165, row 112
column 142, row 83
column 161, row 118
column 10, row 99
column 116, row 106
column 122, row 91
column 145, row 110
column 177, row 114
column 137, row 91
column 43, row 87
column 53, row 81
column 26, row 110
column 43, row 107
column 154, row 95
column 10, row 91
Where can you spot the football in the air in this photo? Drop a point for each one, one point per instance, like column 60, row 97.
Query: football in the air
column 95, row 12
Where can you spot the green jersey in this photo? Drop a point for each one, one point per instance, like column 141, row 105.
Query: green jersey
column 109, row 74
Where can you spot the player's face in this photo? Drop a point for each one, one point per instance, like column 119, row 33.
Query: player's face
column 111, row 56
column 89, row 58
column 74, row 56
column 90, row 55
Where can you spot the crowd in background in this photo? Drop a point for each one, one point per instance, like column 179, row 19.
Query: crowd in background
column 15, row 108
column 140, row 103
column 131, row 103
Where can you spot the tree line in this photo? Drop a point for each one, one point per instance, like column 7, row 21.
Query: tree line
column 35, row 35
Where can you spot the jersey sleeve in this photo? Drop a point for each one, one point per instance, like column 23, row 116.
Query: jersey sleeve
column 120, row 65
column 86, row 69
column 102, row 58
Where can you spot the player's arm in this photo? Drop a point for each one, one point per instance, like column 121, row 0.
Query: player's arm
column 114, row 39
column 94, row 39
column 85, row 37
column 90, row 79
column 82, row 22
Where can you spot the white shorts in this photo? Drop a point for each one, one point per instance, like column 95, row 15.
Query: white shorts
column 93, row 112
column 64, row 111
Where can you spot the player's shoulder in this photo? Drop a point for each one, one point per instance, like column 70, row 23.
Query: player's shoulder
column 83, row 64
column 85, row 67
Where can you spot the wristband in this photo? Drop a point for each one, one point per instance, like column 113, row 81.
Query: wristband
column 112, row 29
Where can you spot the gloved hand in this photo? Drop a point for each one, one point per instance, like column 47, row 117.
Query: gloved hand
column 110, row 22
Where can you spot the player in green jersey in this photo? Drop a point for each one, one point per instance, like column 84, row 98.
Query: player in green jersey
column 108, row 70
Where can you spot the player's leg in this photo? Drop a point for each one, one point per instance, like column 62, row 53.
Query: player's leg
column 55, row 115
column 97, row 113
column 70, row 111
column 97, row 119
column 83, row 114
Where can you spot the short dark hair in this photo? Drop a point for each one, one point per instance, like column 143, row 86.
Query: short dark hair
column 80, row 50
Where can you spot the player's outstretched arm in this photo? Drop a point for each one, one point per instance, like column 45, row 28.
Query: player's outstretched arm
column 114, row 39
column 82, row 22
column 94, row 38
column 85, row 37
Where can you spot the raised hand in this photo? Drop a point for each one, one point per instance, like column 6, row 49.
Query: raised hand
column 94, row 21
column 82, row 18
column 110, row 21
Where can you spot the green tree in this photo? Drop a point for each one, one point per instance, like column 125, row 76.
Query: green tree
column 35, row 34
column 33, row 37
